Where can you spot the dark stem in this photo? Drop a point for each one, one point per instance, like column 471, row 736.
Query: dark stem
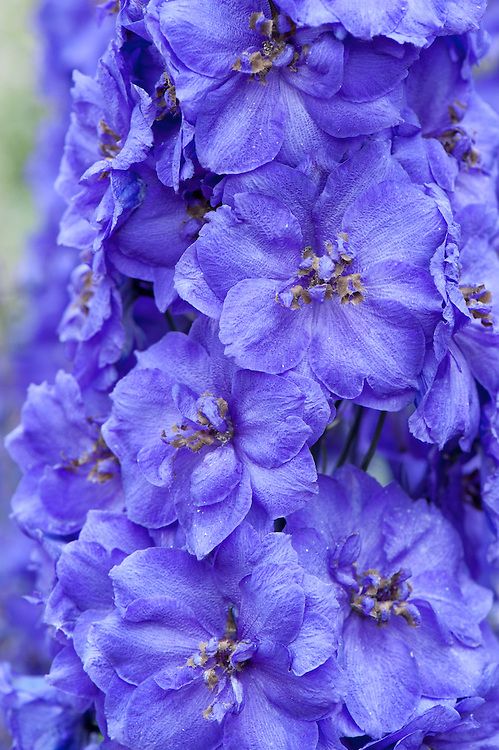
column 324, row 452
column 352, row 435
column 374, row 442
column 319, row 449
column 171, row 322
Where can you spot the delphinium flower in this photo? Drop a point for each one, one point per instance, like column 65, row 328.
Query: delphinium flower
column 118, row 194
column 39, row 716
column 412, row 20
column 116, row 138
column 397, row 569
column 281, row 218
column 455, row 144
column 234, row 653
column 486, row 74
column 203, row 441
column 82, row 594
column 91, row 325
column 466, row 348
column 269, row 89
column 437, row 145
column 472, row 724
column 350, row 265
column 68, row 468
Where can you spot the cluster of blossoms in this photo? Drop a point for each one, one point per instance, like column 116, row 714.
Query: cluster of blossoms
column 260, row 464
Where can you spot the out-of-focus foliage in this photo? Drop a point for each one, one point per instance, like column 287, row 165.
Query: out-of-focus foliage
column 19, row 112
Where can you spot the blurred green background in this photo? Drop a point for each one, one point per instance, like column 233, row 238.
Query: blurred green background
column 19, row 113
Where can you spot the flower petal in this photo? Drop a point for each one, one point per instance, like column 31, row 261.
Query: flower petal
column 259, row 332
column 241, row 125
column 157, row 718
column 384, row 687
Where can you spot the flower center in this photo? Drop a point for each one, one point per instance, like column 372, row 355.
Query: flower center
column 277, row 47
column 166, row 97
column 381, row 597
column 198, row 205
column 212, row 425
column 110, row 142
column 478, row 300
column 321, row 277
column 85, row 295
column 221, row 660
column 99, row 461
column 457, row 141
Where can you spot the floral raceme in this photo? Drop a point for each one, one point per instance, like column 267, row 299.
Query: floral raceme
column 333, row 275
column 260, row 448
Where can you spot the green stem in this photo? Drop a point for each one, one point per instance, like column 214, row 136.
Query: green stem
column 374, row 442
column 352, row 435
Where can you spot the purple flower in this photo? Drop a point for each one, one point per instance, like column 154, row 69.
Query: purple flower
column 472, row 725
column 83, row 594
column 110, row 133
column 466, row 347
column 23, row 640
column 490, row 466
column 281, row 219
column 359, row 18
column 453, row 135
column 92, row 324
column 413, row 614
column 137, row 247
column 203, row 441
column 82, row 570
column 336, row 281
column 120, row 194
column 68, row 468
column 417, row 21
column 267, row 89
column 235, row 653
column 39, row 716
column 434, row 145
